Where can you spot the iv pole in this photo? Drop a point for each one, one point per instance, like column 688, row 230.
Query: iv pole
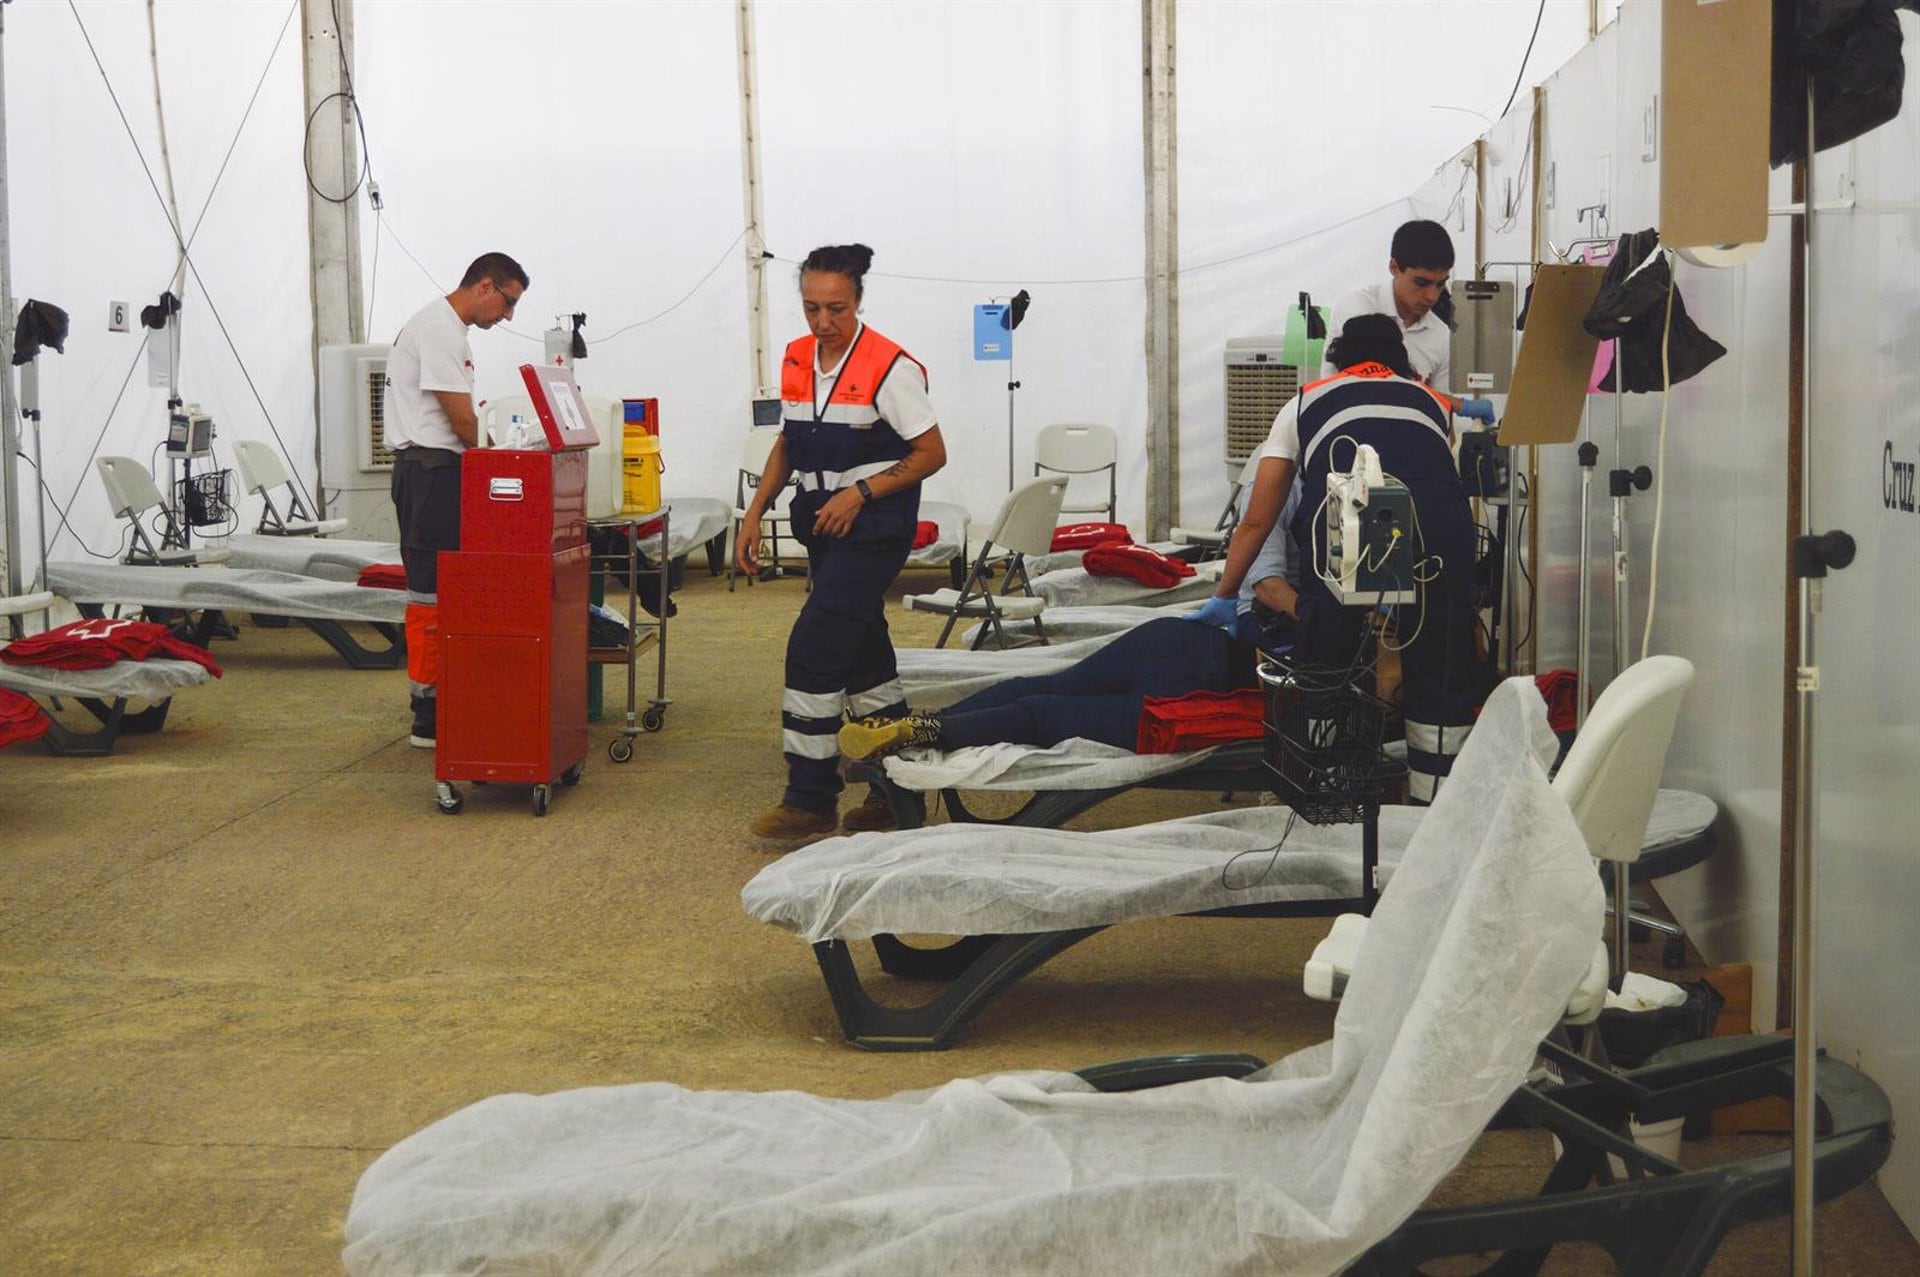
column 9, row 404
column 1813, row 555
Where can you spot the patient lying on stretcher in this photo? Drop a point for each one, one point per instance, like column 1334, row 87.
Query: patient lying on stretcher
column 1104, row 697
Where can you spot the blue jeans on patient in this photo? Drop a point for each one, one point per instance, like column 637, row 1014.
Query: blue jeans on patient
column 1100, row 698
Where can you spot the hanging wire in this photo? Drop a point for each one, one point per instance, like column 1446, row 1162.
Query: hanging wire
column 1136, row 278
column 1521, row 73
column 184, row 243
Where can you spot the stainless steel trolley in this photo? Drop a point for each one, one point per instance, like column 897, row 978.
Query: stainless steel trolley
column 641, row 635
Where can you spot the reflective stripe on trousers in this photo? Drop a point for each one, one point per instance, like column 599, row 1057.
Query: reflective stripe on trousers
column 839, row 654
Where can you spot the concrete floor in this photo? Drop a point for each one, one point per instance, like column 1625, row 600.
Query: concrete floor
column 242, row 957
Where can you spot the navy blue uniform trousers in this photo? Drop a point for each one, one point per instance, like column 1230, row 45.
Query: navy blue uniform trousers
column 1100, row 698
column 839, row 655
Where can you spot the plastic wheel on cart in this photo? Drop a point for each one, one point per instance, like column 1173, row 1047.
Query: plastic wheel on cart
column 654, row 719
column 447, row 798
column 571, row 776
column 620, row 749
column 542, row 795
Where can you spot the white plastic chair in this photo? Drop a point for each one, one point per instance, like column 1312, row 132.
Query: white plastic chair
column 261, row 471
column 1215, row 538
column 1025, row 526
column 1074, row 449
column 753, row 463
column 1609, row 778
column 131, row 493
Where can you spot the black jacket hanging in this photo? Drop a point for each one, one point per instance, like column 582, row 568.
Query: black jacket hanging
column 1851, row 48
column 1632, row 305
column 41, row 324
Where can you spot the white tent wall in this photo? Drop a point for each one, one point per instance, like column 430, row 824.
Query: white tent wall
column 88, row 229
column 1722, row 588
column 1303, row 130
column 978, row 148
column 599, row 144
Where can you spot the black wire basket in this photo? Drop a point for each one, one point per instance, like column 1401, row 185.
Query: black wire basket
column 202, row 499
column 1323, row 738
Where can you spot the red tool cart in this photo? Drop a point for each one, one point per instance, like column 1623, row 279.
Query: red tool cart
column 513, row 608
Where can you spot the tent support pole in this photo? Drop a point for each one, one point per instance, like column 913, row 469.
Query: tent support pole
column 333, row 225
column 1163, row 267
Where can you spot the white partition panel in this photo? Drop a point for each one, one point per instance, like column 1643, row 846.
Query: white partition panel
column 1723, row 592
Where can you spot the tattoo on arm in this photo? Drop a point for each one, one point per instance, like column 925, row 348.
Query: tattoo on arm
column 899, row 469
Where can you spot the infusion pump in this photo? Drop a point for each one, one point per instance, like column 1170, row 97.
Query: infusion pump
column 189, row 434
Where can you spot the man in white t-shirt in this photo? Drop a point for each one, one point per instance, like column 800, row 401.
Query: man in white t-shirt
column 1419, row 262
column 430, row 421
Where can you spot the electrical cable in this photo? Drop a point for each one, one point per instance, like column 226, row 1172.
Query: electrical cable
column 359, row 120
column 40, row 479
column 1521, row 73
column 1660, row 462
column 1273, row 858
column 1131, row 279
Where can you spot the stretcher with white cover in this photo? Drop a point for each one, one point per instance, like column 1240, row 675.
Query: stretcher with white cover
column 324, row 606
column 1313, row 1165
column 106, row 693
column 324, row 557
column 1077, row 587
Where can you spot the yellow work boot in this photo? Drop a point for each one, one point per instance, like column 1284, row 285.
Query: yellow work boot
column 872, row 737
column 790, row 824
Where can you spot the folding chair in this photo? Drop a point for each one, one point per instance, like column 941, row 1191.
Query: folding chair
column 753, row 463
column 1025, row 526
column 1081, row 449
column 1213, row 541
column 1610, row 778
column 131, row 493
column 260, row 472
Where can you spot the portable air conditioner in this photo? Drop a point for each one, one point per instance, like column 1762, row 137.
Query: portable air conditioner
column 353, row 389
column 1259, row 384
column 356, row 466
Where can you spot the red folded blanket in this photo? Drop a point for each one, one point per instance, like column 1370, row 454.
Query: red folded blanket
column 98, row 643
column 1174, row 724
column 384, row 576
column 1084, row 536
column 20, row 718
column 1561, row 691
column 1137, row 563
column 925, row 533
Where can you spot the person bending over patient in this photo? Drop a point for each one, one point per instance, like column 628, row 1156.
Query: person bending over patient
column 1101, row 698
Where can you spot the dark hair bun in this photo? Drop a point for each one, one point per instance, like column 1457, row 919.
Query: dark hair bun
column 851, row 260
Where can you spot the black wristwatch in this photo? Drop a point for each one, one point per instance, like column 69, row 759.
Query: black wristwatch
column 866, row 493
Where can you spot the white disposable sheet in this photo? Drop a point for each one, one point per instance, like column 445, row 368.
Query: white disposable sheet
column 230, row 589
column 154, row 680
column 1064, row 624
column 323, row 557
column 936, row 677
column 1077, row 587
column 949, row 542
column 1072, row 764
column 970, row 879
column 691, row 523
column 1678, row 814
column 1485, row 930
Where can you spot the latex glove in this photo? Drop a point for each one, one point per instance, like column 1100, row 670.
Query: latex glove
column 1218, row 612
column 1478, row 409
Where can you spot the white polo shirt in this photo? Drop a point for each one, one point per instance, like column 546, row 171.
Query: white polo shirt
column 431, row 353
column 1429, row 342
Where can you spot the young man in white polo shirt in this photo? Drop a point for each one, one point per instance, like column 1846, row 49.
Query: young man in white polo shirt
column 1418, row 264
column 430, row 421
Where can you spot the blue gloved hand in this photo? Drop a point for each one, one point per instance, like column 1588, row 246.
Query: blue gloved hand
column 1478, row 409
column 1216, row 611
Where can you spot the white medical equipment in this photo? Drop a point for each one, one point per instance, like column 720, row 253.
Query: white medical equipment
column 1372, row 537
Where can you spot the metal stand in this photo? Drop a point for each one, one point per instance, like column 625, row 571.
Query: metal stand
column 1012, row 386
column 1813, row 555
column 640, row 636
column 1620, row 485
column 1589, row 454
column 9, row 409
